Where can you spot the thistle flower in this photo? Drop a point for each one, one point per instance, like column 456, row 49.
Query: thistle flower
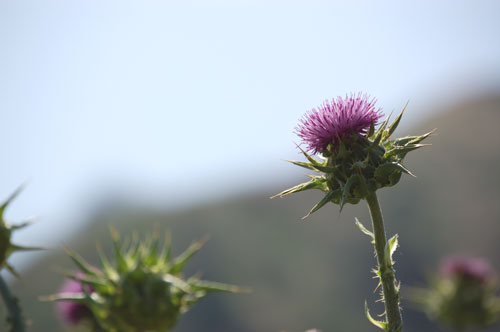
column 337, row 119
column 142, row 290
column 71, row 311
column 475, row 268
column 355, row 158
column 462, row 295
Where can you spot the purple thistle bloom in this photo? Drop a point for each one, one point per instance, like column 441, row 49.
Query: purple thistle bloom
column 73, row 312
column 470, row 267
column 336, row 119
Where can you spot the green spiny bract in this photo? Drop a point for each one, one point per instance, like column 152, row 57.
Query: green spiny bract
column 7, row 248
column 358, row 164
column 143, row 290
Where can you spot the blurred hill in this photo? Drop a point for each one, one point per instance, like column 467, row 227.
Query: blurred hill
column 316, row 273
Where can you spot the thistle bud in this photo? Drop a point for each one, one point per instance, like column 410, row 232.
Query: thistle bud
column 142, row 290
column 356, row 158
column 463, row 295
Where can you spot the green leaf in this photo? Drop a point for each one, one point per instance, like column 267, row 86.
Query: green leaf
column 12, row 270
column 9, row 200
column 96, row 283
column 80, row 262
column 211, row 286
column 308, row 157
column 412, row 139
column 177, row 282
column 75, row 297
column 379, row 133
column 121, row 263
column 364, row 229
column 392, row 127
column 328, row 197
column 24, row 224
column 14, row 247
column 317, row 182
column 384, row 169
column 371, row 130
column 347, row 188
column 377, row 323
column 418, row 139
column 401, row 151
column 108, row 270
column 313, row 167
column 390, row 248
column 180, row 262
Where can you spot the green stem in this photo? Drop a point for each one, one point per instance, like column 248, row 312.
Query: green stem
column 387, row 279
column 15, row 316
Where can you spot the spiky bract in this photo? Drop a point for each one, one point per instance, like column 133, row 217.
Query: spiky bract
column 143, row 290
column 7, row 248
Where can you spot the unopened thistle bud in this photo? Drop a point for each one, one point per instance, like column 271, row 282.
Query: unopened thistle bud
column 356, row 157
column 462, row 295
column 143, row 290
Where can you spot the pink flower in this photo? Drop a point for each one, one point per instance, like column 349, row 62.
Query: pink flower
column 337, row 119
column 469, row 267
column 73, row 312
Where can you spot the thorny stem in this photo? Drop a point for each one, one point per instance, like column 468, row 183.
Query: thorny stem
column 15, row 316
column 387, row 279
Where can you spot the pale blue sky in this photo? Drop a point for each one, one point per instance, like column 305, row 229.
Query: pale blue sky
column 172, row 99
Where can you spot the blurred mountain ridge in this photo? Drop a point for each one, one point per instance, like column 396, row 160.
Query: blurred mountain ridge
column 316, row 273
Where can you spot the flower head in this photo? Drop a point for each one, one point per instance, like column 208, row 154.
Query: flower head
column 336, row 119
column 142, row 289
column 474, row 268
column 463, row 294
column 71, row 311
column 356, row 158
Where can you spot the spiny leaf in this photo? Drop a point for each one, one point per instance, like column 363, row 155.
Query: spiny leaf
column 121, row 263
column 390, row 248
column 371, row 130
column 392, row 127
column 401, row 151
column 317, row 167
column 347, row 188
column 377, row 136
column 22, row 225
column 177, row 282
column 412, row 139
column 385, row 168
column 418, row 139
column 181, row 261
column 211, row 286
column 87, row 280
column 12, row 270
column 377, row 323
column 328, row 197
column 80, row 262
column 364, row 229
column 317, row 182
column 15, row 247
column 75, row 297
column 308, row 157
column 108, row 270
column 9, row 200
